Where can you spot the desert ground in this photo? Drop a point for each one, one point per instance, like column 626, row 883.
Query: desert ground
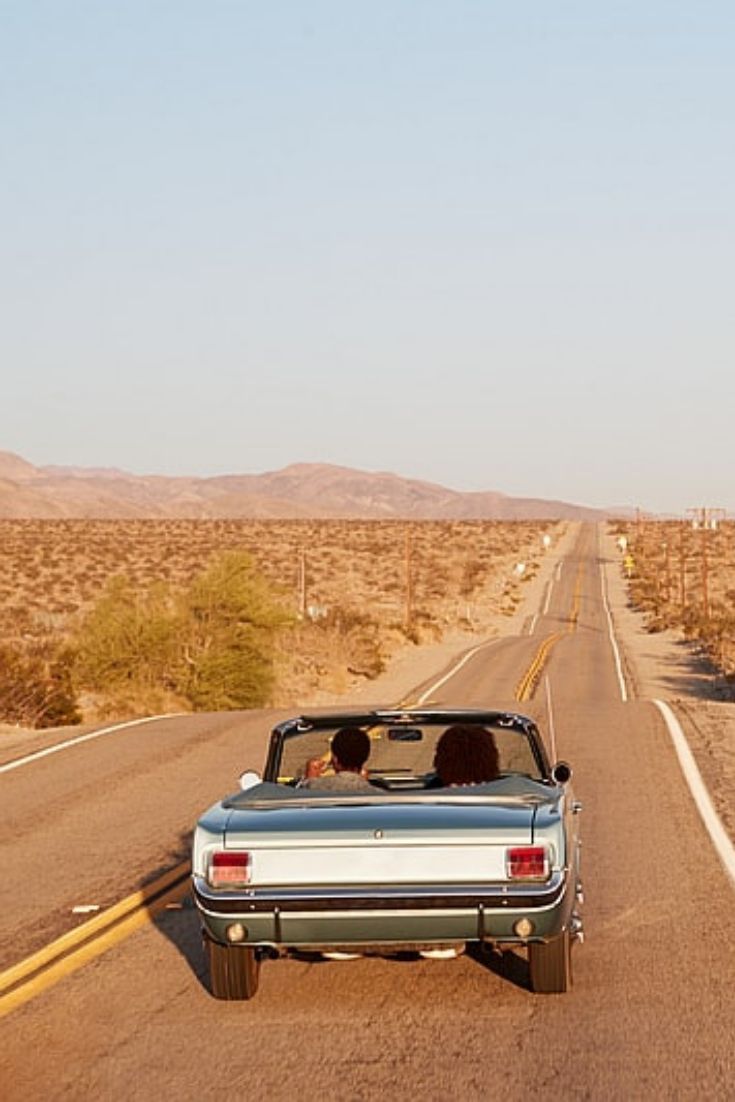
column 355, row 591
column 682, row 577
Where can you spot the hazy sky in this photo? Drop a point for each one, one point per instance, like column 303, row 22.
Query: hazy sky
column 486, row 244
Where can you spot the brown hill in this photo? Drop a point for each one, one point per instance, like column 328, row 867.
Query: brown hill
column 15, row 468
column 299, row 490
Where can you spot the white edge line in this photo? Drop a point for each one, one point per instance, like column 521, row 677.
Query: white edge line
column 705, row 807
column 613, row 640
column 16, row 764
column 550, row 714
column 470, row 654
column 547, row 602
column 454, row 669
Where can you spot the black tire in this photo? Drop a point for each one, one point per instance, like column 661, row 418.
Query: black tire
column 550, row 965
column 234, row 970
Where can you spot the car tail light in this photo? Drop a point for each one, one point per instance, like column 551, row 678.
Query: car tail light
column 527, row 863
column 229, row 869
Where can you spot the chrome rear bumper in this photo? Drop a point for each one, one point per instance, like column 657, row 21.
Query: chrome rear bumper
column 379, row 897
column 386, row 915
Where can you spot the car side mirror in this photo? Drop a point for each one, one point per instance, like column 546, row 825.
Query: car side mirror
column 249, row 779
column 561, row 772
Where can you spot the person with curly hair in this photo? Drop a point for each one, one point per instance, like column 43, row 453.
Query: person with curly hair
column 466, row 754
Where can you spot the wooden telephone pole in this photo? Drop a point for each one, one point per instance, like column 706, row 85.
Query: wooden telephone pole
column 705, row 520
column 302, row 584
column 408, row 610
column 667, row 561
column 682, row 567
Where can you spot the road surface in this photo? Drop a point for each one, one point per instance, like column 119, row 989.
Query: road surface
column 652, row 1011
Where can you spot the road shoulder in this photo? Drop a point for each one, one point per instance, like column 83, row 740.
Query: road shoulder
column 664, row 666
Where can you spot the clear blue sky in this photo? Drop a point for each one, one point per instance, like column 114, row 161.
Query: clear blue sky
column 486, row 244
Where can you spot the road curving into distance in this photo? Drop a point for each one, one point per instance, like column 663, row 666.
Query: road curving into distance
column 652, row 1013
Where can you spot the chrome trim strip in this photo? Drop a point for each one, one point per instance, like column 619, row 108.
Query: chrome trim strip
column 402, row 897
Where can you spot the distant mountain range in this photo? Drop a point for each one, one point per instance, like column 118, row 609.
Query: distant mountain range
column 299, row 490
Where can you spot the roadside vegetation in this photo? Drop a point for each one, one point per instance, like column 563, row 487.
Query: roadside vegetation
column 36, row 688
column 102, row 619
column 207, row 646
column 681, row 575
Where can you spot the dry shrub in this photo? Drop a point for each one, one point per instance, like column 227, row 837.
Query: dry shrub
column 684, row 578
column 36, row 687
column 209, row 645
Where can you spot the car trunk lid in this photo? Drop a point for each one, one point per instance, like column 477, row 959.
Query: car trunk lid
column 373, row 844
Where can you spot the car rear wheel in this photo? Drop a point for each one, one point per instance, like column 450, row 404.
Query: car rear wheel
column 234, row 970
column 551, row 965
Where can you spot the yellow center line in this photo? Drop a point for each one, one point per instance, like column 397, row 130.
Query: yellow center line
column 22, row 981
column 527, row 685
column 574, row 613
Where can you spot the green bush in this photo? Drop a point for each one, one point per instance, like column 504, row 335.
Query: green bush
column 210, row 645
column 128, row 638
column 237, row 676
column 230, row 615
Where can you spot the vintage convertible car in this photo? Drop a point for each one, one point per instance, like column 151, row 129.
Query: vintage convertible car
column 402, row 864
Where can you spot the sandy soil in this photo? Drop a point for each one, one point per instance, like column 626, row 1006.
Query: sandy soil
column 411, row 665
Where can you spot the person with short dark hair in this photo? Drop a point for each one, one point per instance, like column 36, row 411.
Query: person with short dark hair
column 350, row 749
column 466, row 754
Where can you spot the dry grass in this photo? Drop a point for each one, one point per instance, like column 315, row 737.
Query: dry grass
column 684, row 577
column 357, row 589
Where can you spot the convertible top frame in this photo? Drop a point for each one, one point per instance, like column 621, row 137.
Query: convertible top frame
column 299, row 725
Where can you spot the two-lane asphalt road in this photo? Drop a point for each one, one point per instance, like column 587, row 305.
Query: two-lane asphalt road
column 102, row 817
column 652, row 1012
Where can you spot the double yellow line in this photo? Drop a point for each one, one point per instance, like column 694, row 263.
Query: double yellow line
column 527, row 685
column 45, row 968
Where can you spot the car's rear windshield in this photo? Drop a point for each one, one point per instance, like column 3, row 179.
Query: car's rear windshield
column 401, row 751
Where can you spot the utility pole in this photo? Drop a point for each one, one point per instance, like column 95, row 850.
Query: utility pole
column 705, row 519
column 302, row 583
column 705, row 574
column 667, row 555
column 682, row 567
column 408, row 612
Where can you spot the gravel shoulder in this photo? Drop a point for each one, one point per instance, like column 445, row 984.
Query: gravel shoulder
column 664, row 666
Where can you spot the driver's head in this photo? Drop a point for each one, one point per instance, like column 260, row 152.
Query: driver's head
column 350, row 748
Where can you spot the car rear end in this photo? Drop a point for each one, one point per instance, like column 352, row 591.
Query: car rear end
column 383, row 877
